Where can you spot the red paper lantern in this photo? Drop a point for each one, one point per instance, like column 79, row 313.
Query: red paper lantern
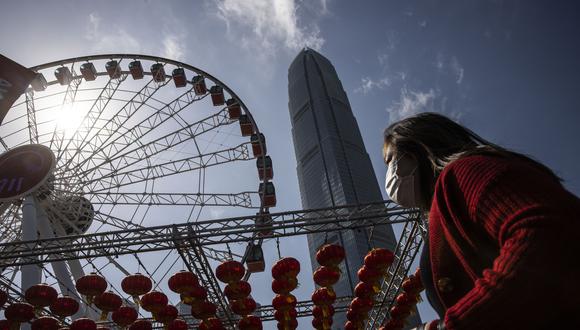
column 405, row 299
column 83, row 324
column 91, row 285
column 45, row 323
column 107, row 302
column 285, row 315
column 288, row 325
column 3, row 298
column 237, row 290
column 417, row 274
column 243, row 306
column 154, row 301
column 330, row 255
column 136, row 285
column 369, row 275
column 286, row 268
column 284, row 285
column 64, row 306
column 177, row 324
column 211, row 324
column 400, row 311
column 183, row 282
column 230, row 271
column 124, row 316
column 250, row 322
column 364, row 290
column 379, row 259
column 284, row 302
column 355, row 316
column 203, row 310
column 361, row 305
column 167, row 314
column 323, row 296
column 141, row 325
column 40, row 295
column 19, row 312
column 196, row 295
column 322, row 324
column 326, row 276
column 412, row 286
column 322, row 312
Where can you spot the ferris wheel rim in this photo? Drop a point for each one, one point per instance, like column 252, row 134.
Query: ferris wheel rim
column 135, row 56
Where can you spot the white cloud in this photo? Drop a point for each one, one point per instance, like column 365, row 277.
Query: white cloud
column 173, row 47
column 324, row 4
column 368, row 84
column 383, row 60
column 411, row 103
column 457, row 69
column 111, row 39
column 451, row 65
column 264, row 26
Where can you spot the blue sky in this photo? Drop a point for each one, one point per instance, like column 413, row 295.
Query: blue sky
column 509, row 70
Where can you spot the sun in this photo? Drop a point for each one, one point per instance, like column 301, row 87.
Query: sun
column 70, row 118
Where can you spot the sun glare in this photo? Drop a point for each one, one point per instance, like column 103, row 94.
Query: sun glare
column 69, row 118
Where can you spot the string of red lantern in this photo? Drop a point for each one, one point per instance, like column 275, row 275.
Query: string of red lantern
column 405, row 302
column 329, row 256
column 284, row 273
column 375, row 266
column 238, row 294
column 186, row 284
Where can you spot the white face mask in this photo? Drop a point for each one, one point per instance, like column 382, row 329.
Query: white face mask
column 401, row 189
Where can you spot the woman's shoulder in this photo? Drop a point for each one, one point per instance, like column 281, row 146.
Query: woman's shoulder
column 477, row 167
column 471, row 175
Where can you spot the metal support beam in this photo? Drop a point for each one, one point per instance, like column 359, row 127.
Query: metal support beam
column 211, row 232
column 407, row 249
column 196, row 261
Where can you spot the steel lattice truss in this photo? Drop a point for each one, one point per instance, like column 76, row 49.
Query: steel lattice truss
column 211, row 232
column 192, row 240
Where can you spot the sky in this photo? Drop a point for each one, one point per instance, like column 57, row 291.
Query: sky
column 508, row 70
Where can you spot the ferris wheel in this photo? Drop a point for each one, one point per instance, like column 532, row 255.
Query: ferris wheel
column 121, row 142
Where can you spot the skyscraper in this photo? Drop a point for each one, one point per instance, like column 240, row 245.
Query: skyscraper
column 333, row 165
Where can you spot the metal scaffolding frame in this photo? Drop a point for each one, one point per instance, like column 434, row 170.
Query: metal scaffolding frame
column 192, row 240
column 210, row 232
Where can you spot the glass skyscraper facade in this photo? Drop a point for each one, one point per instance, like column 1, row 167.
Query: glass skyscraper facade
column 332, row 163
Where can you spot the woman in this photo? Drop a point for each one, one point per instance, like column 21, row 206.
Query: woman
column 503, row 248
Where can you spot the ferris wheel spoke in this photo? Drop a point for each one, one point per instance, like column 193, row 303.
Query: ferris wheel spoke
column 132, row 135
column 10, row 223
column 31, row 116
column 89, row 120
column 115, row 122
column 69, row 98
column 243, row 199
column 164, row 143
column 118, row 177
column 106, row 218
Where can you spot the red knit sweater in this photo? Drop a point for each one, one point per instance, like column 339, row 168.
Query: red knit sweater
column 504, row 245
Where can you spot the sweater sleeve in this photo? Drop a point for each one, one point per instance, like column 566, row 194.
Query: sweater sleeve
column 534, row 221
